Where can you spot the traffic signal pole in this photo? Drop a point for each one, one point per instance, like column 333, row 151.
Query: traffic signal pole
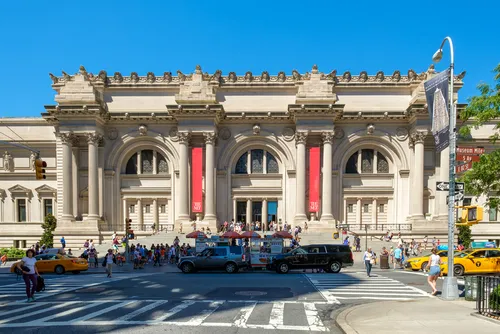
column 3, row 142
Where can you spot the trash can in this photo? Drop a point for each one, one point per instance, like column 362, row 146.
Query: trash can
column 384, row 262
column 471, row 288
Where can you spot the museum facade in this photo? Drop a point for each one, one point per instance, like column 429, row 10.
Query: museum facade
column 167, row 150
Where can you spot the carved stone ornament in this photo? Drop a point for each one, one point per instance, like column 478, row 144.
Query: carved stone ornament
column 370, row 129
column 118, row 77
column 256, row 129
column 198, row 69
column 301, row 137
column 67, row 138
column 380, row 76
column 281, row 76
column 93, row 138
column 347, row 76
column 315, row 69
column 181, row 76
column 134, row 77
column 248, row 76
column 401, row 134
column 412, row 75
column 264, row 77
column 396, row 76
column 53, row 78
column 167, row 76
column 327, row 137
column 209, row 137
column 224, row 133
column 33, row 161
column 217, row 76
column 184, row 137
column 296, row 75
column 8, row 162
column 339, row 133
column 112, row 133
column 103, row 76
column 173, row 134
column 363, row 76
column 143, row 130
column 419, row 136
column 232, row 77
column 151, row 77
column 288, row 134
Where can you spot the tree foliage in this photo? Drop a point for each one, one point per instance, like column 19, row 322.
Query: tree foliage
column 49, row 225
column 484, row 177
column 464, row 235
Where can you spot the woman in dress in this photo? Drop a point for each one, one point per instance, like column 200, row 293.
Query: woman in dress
column 435, row 270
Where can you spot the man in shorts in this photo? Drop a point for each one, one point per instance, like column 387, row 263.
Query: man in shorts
column 398, row 256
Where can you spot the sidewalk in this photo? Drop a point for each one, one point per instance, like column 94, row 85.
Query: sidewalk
column 431, row 315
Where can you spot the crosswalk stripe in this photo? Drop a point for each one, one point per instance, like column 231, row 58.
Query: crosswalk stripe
column 102, row 311
column 313, row 319
column 197, row 320
column 242, row 319
column 24, row 315
column 276, row 316
column 175, row 310
column 141, row 310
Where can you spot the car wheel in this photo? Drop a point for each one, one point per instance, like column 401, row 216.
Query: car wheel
column 59, row 270
column 76, row 272
column 187, row 268
column 423, row 266
column 458, row 270
column 231, row 268
column 335, row 267
column 283, row 268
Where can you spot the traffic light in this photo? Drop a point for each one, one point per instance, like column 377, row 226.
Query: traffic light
column 128, row 223
column 40, row 169
column 471, row 215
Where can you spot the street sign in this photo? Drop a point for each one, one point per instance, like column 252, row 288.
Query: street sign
column 463, row 168
column 445, row 186
column 470, row 150
column 459, row 196
column 474, row 158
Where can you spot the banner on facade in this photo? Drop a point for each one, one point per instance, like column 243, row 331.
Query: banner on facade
column 197, row 179
column 314, row 177
column 436, row 93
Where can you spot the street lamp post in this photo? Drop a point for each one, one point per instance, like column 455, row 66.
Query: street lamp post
column 450, row 285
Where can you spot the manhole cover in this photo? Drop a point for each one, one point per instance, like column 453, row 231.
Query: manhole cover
column 251, row 293
column 91, row 290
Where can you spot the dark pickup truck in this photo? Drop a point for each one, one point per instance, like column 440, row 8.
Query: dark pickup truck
column 331, row 258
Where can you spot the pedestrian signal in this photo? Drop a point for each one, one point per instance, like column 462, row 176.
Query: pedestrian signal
column 40, row 166
column 471, row 215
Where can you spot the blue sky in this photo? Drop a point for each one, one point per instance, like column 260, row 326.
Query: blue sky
column 38, row 37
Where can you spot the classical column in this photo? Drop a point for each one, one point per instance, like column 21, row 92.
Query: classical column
column 360, row 161
column 345, row 211
column 444, row 175
column 326, row 196
column 234, row 209
column 209, row 175
column 76, row 177
column 248, row 220
column 155, row 214
column 264, row 214
column 140, row 216
column 67, row 143
column 183, row 192
column 139, row 162
column 300, row 207
column 418, row 189
column 155, row 162
column 359, row 213
column 374, row 211
column 93, row 140
column 125, row 210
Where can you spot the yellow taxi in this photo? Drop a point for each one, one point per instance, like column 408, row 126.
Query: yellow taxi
column 57, row 263
column 419, row 263
column 477, row 261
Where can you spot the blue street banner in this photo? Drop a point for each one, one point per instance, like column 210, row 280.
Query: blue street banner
column 436, row 93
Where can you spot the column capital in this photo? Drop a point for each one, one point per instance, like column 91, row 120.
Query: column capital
column 68, row 138
column 418, row 136
column 94, row 138
column 210, row 137
column 301, row 137
column 184, row 137
column 327, row 137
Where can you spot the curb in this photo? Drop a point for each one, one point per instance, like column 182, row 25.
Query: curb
column 480, row 316
column 341, row 320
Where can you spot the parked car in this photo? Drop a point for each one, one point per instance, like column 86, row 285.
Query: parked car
column 420, row 262
column 478, row 261
column 229, row 258
column 57, row 263
column 331, row 258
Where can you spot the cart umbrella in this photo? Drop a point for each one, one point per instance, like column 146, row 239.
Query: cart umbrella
column 250, row 235
column 196, row 234
column 231, row 235
column 282, row 234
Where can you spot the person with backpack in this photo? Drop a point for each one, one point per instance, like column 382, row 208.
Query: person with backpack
column 109, row 259
column 27, row 267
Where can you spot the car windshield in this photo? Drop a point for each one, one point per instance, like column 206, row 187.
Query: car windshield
column 299, row 251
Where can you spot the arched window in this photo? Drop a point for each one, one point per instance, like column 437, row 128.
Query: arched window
column 132, row 165
column 148, row 159
column 371, row 162
column 162, row 167
column 261, row 162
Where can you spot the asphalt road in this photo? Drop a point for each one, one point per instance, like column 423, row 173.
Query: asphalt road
column 259, row 302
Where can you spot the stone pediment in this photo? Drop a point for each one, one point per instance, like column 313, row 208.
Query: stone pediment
column 46, row 189
column 19, row 190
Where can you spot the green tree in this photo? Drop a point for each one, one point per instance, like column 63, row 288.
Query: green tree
column 465, row 235
column 484, row 177
column 49, row 225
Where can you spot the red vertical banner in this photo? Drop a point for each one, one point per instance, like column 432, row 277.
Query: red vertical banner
column 197, row 179
column 314, row 171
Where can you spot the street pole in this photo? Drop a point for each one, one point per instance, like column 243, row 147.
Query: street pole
column 450, row 284
column 366, row 237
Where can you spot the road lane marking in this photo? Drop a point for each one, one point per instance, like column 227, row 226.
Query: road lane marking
column 242, row 318
column 197, row 320
column 30, row 314
column 277, row 314
column 313, row 320
column 175, row 310
column 141, row 310
column 327, row 295
column 102, row 311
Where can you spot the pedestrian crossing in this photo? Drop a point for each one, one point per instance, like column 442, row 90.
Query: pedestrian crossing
column 348, row 286
column 271, row 315
column 57, row 285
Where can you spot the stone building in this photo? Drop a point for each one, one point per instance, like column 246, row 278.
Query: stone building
column 167, row 150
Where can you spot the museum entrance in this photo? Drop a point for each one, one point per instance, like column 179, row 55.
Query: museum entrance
column 256, row 213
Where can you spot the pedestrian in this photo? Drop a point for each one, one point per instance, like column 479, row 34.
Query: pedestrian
column 369, row 259
column 398, row 257
column 4, row 259
column 27, row 266
column 63, row 242
column 109, row 259
column 435, row 270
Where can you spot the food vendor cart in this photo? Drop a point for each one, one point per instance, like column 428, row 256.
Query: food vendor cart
column 261, row 249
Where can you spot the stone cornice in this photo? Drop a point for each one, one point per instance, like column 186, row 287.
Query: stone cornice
column 192, row 111
column 57, row 113
column 297, row 111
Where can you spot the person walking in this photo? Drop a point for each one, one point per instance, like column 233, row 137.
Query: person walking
column 435, row 270
column 109, row 259
column 398, row 257
column 369, row 261
column 27, row 266
column 63, row 242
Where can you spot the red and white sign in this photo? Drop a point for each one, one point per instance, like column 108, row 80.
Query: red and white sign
column 463, row 168
column 473, row 158
column 314, row 177
column 197, row 179
column 470, row 150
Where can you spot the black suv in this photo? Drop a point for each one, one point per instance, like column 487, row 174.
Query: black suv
column 331, row 258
